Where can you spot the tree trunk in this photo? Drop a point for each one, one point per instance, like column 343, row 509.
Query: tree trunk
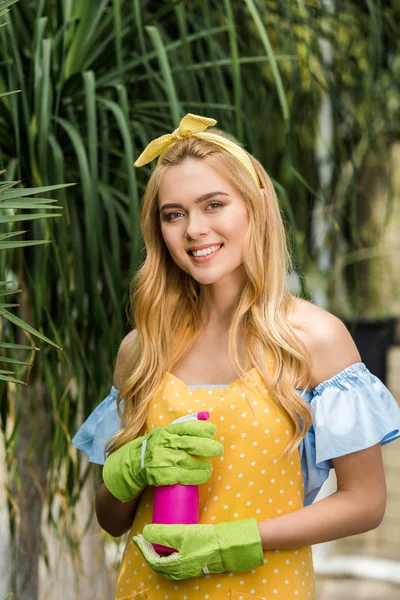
column 32, row 457
column 376, row 290
column 83, row 575
column 5, row 566
column 31, row 461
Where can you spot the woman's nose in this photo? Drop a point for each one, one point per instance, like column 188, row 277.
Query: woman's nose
column 196, row 226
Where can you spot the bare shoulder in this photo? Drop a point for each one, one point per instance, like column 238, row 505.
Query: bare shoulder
column 326, row 337
column 123, row 352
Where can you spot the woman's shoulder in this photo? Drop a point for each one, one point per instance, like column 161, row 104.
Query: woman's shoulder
column 124, row 350
column 304, row 313
column 128, row 341
column 326, row 337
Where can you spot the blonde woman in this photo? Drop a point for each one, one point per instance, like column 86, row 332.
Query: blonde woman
column 216, row 330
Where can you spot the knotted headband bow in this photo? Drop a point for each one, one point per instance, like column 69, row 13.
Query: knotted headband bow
column 195, row 125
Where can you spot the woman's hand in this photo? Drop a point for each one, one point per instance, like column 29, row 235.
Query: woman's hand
column 233, row 546
column 162, row 457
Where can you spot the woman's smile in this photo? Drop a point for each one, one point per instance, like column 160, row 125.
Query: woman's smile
column 211, row 253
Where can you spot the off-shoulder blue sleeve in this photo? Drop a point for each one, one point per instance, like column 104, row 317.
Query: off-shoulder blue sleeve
column 102, row 424
column 351, row 411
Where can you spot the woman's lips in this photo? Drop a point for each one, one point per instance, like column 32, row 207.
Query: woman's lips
column 207, row 258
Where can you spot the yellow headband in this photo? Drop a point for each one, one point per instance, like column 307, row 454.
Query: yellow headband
column 194, row 125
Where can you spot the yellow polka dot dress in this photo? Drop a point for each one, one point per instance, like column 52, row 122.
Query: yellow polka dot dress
column 247, row 481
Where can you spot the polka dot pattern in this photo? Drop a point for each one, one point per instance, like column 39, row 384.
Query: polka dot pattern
column 250, row 482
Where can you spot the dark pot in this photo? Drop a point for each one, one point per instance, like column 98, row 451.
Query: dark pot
column 373, row 338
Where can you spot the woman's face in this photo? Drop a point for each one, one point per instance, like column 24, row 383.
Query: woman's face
column 200, row 208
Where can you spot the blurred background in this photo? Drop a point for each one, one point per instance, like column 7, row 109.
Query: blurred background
column 311, row 88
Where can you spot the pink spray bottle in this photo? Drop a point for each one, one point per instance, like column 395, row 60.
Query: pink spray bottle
column 177, row 504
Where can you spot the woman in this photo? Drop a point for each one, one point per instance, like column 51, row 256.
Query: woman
column 289, row 398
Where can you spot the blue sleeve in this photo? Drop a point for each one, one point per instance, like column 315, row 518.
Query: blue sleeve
column 351, row 411
column 102, row 424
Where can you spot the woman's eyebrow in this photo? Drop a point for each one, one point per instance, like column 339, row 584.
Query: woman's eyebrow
column 197, row 201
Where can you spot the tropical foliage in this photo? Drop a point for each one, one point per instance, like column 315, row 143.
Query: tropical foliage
column 309, row 87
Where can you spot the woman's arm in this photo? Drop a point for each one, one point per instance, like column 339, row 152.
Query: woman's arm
column 360, row 500
column 357, row 506
column 114, row 516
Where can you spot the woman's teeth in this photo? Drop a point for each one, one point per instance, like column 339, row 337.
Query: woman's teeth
column 206, row 251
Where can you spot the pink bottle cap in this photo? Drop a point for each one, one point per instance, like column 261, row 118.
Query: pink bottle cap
column 203, row 416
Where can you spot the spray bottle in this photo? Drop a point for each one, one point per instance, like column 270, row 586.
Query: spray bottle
column 177, row 504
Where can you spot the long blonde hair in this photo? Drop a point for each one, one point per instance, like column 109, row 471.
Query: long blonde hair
column 165, row 301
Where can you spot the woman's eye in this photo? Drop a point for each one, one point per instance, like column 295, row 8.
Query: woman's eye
column 170, row 216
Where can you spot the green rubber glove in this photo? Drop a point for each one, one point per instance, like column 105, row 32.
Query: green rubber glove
column 232, row 546
column 162, row 457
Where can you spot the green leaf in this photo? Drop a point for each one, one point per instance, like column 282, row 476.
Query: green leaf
column 11, row 380
column 14, row 361
column 25, row 217
column 175, row 107
column 20, row 192
column 17, row 321
column 11, row 293
column 10, row 245
column 262, row 31
column 17, row 346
